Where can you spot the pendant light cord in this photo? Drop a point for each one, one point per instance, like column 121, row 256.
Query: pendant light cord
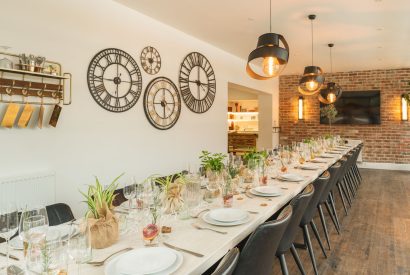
column 331, row 60
column 270, row 16
column 311, row 28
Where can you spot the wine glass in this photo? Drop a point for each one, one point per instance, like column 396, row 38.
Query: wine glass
column 129, row 193
column 8, row 224
column 79, row 243
column 25, row 229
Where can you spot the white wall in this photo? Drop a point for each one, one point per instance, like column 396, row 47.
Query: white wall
column 89, row 140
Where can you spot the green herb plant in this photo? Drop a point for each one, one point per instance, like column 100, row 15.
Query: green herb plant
column 212, row 161
column 330, row 113
column 99, row 198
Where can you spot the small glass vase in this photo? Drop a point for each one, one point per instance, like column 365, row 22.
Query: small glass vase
column 227, row 193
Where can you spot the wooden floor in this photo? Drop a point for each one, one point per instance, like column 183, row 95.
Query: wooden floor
column 375, row 236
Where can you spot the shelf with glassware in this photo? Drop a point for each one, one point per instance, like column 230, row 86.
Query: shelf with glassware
column 32, row 80
column 243, row 121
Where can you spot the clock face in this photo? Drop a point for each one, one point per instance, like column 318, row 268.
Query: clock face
column 197, row 82
column 114, row 80
column 150, row 60
column 162, row 103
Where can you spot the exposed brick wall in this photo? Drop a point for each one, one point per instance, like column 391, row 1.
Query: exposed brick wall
column 387, row 142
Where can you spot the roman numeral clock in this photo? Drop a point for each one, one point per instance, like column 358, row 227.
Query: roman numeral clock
column 197, row 82
column 114, row 80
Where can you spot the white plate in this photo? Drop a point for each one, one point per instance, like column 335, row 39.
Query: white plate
column 209, row 220
column 309, row 167
column 334, row 152
column 291, row 177
column 318, row 160
column 227, row 214
column 148, row 260
column 16, row 243
column 256, row 193
column 267, row 189
column 326, row 156
column 110, row 269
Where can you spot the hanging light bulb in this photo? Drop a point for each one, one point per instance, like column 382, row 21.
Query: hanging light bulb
column 270, row 66
column 312, row 79
column 332, row 92
column 269, row 58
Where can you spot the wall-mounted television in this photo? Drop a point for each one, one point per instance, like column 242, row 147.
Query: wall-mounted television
column 356, row 107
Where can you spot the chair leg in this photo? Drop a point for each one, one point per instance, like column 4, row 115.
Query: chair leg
column 309, row 245
column 322, row 219
column 297, row 259
column 283, row 264
column 345, row 191
column 341, row 197
column 332, row 217
column 333, row 206
column 314, row 228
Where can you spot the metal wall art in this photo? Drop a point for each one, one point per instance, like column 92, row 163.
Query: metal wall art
column 150, row 60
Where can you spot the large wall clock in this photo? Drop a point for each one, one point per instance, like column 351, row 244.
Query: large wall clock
column 150, row 60
column 162, row 103
column 197, row 82
column 114, row 80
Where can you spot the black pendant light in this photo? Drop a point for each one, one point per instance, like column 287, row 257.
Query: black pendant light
column 332, row 91
column 269, row 58
column 312, row 79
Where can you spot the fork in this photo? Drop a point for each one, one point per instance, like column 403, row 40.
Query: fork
column 207, row 228
column 100, row 263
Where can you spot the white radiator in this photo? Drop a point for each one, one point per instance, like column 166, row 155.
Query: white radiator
column 34, row 189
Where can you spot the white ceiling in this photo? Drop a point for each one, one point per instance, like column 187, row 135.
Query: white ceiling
column 368, row 34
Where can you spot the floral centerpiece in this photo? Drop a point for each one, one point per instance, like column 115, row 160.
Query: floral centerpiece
column 171, row 192
column 101, row 218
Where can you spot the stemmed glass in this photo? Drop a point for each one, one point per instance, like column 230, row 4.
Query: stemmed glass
column 8, row 224
column 129, row 193
column 79, row 244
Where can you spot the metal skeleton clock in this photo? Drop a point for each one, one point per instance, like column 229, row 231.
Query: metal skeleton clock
column 197, row 82
column 114, row 80
column 150, row 60
column 162, row 103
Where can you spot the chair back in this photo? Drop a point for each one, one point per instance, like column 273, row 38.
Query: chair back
column 299, row 204
column 335, row 172
column 257, row 256
column 319, row 185
column 228, row 263
column 59, row 213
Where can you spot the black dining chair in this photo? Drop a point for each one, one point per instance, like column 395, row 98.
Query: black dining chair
column 228, row 263
column 326, row 199
column 59, row 213
column 256, row 256
column 299, row 204
column 307, row 218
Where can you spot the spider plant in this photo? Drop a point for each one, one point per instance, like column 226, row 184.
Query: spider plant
column 99, row 198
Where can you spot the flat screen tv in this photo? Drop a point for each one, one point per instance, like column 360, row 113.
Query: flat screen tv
column 356, row 107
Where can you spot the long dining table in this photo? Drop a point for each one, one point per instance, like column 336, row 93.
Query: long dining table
column 212, row 245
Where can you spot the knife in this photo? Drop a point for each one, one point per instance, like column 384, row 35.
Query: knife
column 10, row 256
column 183, row 250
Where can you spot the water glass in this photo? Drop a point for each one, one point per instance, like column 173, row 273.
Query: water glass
column 79, row 243
column 129, row 192
column 8, row 224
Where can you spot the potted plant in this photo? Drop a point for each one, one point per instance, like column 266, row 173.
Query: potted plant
column 330, row 113
column 102, row 220
column 213, row 164
column 171, row 192
column 256, row 163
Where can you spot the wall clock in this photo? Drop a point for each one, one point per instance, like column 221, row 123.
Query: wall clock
column 162, row 103
column 197, row 82
column 114, row 80
column 150, row 60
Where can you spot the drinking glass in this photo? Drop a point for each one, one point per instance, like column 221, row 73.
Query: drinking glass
column 79, row 243
column 8, row 224
column 33, row 226
column 129, row 193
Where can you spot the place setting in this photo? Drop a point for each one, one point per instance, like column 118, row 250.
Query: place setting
column 226, row 217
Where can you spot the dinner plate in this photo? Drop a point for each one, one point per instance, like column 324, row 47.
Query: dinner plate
column 326, row 156
column 209, row 220
column 256, row 193
column 318, row 160
column 148, row 260
column 334, row 152
column 227, row 214
column 309, row 167
column 111, row 268
column 291, row 177
column 267, row 189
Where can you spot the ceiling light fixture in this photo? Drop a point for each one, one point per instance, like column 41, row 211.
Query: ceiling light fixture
column 269, row 58
column 333, row 91
column 312, row 79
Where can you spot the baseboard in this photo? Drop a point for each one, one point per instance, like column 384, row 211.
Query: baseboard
column 384, row 166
